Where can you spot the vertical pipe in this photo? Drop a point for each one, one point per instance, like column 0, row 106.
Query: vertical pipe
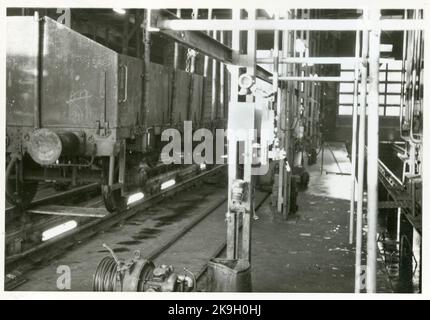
column 360, row 178
column 402, row 103
column 146, row 61
column 354, row 141
column 405, row 78
column 285, row 120
column 372, row 155
column 214, row 84
column 408, row 73
column 206, row 59
column 195, row 15
column 232, row 147
column 275, row 89
column 247, row 177
column 221, row 82
column 415, row 74
column 176, row 46
column 38, row 90
column 138, row 18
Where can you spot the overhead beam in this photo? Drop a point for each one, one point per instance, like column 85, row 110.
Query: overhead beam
column 317, row 79
column 202, row 42
column 289, row 24
column 196, row 40
column 319, row 60
column 311, row 60
column 263, row 74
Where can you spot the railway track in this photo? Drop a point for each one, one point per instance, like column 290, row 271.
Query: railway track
column 216, row 248
column 17, row 265
column 193, row 246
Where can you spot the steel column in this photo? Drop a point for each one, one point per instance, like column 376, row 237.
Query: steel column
column 195, row 15
column 247, row 176
column 275, row 89
column 372, row 156
column 285, row 122
column 39, row 26
column 221, row 81
column 232, row 217
column 176, row 46
column 206, row 60
column 214, row 84
column 146, row 62
column 360, row 178
column 354, row 141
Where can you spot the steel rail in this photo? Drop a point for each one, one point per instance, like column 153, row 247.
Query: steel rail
column 158, row 251
column 55, row 196
column 97, row 225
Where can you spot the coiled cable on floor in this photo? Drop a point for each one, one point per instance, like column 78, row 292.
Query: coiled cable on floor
column 105, row 276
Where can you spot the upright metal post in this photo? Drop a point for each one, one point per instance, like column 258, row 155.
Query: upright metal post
column 195, row 15
column 38, row 88
column 214, row 84
column 146, row 63
column 354, row 141
column 247, row 168
column 372, row 154
column 232, row 217
column 176, row 46
column 360, row 178
column 275, row 89
column 138, row 18
column 206, row 59
column 221, row 82
column 285, row 120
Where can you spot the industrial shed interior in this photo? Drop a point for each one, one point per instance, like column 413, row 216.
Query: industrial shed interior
column 196, row 149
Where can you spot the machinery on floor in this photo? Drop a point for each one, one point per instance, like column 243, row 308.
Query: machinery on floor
column 138, row 274
column 91, row 98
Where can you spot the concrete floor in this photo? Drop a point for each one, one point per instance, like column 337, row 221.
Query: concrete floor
column 310, row 251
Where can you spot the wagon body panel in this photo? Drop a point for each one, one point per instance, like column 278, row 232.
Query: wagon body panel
column 80, row 80
column 159, row 99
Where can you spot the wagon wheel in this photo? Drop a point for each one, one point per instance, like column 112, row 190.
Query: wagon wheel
column 18, row 192
column 113, row 200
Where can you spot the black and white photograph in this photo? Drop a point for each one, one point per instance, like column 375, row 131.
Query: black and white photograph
column 204, row 148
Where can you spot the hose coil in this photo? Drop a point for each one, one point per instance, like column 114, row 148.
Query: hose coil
column 106, row 275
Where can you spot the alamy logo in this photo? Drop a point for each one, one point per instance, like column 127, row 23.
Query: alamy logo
column 65, row 17
column 363, row 278
column 177, row 151
column 65, row 278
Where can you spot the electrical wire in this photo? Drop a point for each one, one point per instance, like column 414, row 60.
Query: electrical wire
column 105, row 276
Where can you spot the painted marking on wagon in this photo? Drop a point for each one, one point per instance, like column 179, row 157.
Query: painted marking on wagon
column 76, row 99
column 78, row 104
